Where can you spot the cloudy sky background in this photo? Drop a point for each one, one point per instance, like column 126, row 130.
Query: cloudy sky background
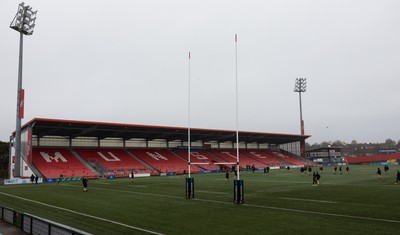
column 127, row 62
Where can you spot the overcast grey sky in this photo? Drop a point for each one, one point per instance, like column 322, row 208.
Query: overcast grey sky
column 127, row 62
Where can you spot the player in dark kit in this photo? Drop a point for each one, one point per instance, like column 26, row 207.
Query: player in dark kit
column 226, row 176
column 85, row 184
column 318, row 176
column 398, row 177
column 314, row 179
column 379, row 172
column 334, row 169
column 32, row 178
column 386, row 169
column 347, row 170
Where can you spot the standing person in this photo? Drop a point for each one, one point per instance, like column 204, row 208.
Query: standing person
column 236, row 172
column 226, row 176
column 318, row 176
column 398, row 177
column 302, row 171
column 314, row 179
column 309, row 170
column 379, row 172
column 36, row 179
column 32, row 178
column 85, row 184
column 386, row 168
column 59, row 179
column 347, row 170
column 340, row 169
column 334, row 170
column 321, row 168
column 267, row 169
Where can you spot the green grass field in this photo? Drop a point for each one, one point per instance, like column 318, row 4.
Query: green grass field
column 281, row 202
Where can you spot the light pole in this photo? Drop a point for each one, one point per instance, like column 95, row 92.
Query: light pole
column 300, row 86
column 23, row 22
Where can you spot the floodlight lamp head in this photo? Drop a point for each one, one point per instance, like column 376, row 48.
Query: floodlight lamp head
column 24, row 20
column 300, row 85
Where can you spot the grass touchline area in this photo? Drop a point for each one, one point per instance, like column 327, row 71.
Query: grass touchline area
column 281, row 202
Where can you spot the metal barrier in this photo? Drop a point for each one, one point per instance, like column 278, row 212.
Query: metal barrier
column 35, row 225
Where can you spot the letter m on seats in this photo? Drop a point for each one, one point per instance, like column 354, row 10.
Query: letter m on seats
column 57, row 156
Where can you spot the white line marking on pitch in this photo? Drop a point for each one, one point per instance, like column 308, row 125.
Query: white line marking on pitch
column 306, row 200
column 258, row 206
column 79, row 213
column 305, row 212
column 220, row 202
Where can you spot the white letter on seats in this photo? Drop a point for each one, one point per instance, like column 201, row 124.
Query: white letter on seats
column 198, row 156
column 257, row 155
column 229, row 154
column 113, row 159
column 49, row 158
column 156, row 156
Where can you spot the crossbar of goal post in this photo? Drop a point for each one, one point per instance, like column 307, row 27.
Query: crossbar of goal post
column 200, row 163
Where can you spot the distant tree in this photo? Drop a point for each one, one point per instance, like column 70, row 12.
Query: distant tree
column 315, row 145
column 338, row 143
column 308, row 146
column 398, row 143
column 354, row 142
column 325, row 144
column 3, row 147
column 389, row 143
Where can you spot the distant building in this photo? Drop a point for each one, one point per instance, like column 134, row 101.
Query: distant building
column 325, row 155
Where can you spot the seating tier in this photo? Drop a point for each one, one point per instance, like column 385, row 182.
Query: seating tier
column 163, row 160
column 200, row 157
column 112, row 159
column 54, row 162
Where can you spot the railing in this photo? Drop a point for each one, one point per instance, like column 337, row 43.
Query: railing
column 35, row 225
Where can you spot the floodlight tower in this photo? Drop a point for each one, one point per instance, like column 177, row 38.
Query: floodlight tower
column 24, row 23
column 300, row 86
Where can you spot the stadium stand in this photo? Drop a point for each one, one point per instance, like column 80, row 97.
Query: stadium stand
column 201, row 156
column 375, row 158
column 230, row 156
column 287, row 158
column 59, row 161
column 115, row 161
column 262, row 156
column 163, row 160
